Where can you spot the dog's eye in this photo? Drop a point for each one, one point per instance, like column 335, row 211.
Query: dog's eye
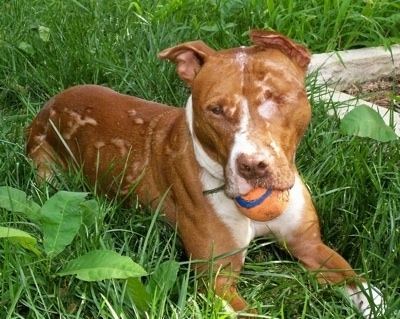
column 217, row 110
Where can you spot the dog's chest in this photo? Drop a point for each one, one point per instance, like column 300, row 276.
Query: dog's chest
column 243, row 229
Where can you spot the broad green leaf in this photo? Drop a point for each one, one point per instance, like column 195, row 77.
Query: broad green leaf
column 363, row 121
column 138, row 293
column 164, row 277
column 20, row 237
column 61, row 220
column 16, row 200
column 90, row 209
column 102, row 264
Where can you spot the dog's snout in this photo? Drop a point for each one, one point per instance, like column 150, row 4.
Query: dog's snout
column 251, row 166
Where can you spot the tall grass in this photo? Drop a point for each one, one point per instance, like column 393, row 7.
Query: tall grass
column 48, row 46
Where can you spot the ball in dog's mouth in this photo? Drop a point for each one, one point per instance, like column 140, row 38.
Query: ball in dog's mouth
column 262, row 204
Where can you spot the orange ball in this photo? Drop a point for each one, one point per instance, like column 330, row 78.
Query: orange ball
column 262, row 204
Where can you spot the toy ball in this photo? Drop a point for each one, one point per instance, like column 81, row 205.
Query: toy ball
column 262, row 204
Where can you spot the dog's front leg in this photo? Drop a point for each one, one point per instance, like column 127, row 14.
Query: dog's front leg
column 221, row 276
column 217, row 258
column 225, row 287
column 308, row 247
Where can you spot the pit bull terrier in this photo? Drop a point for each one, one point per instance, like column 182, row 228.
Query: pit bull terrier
column 245, row 117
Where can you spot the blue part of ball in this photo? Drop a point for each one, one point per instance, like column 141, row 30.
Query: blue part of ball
column 255, row 202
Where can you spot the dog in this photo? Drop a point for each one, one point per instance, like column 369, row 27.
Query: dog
column 243, row 121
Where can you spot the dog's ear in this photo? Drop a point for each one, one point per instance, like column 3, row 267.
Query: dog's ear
column 188, row 57
column 270, row 39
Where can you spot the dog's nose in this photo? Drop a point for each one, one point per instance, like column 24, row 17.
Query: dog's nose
column 251, row 166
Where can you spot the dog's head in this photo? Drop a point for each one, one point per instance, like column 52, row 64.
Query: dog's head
column 248, row 109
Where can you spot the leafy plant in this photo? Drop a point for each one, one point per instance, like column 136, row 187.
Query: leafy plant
column 363, row 121
column 60, row 219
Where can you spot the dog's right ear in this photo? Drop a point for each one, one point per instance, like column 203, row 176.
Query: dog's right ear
column 271, row 39
column 188, row 57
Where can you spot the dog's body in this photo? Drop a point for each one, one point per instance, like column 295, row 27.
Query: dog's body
column 241, row 127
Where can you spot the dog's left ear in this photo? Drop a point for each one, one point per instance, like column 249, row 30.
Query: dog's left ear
column 270, row 39
column 188, row 57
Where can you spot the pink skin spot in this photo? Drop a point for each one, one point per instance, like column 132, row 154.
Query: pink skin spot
column 132, row 112
column 267, row 109
column 76, row 122
column 138, row 120
column 99, row 144
column 121, row 144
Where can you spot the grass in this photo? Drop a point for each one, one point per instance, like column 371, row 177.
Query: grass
column 355, row 182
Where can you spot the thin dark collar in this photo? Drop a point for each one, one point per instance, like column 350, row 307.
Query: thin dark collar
column 214, row 190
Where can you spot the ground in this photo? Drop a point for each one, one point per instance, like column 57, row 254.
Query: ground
column 384, row 92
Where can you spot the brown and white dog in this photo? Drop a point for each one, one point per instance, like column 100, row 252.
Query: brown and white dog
column 242, row 124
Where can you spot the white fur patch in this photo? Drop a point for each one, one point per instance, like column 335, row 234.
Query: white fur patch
column 239, row 225
column 365, row 297
column 76, row 122
column 244, row 229
column 241, row 59
column 267, row 110
column 241, row 144
column 121, row 144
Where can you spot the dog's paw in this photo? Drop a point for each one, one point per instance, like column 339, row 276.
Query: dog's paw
column 368, row 300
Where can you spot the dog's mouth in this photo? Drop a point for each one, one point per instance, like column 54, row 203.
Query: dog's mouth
column 281, row 186
column 236, row 185
column 276, row 185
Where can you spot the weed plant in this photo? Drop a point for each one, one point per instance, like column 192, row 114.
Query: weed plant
column 48, row 46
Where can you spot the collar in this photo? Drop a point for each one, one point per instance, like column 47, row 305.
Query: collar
column 214, row 190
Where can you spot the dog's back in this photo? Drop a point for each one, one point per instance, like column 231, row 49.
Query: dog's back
column 99, row 130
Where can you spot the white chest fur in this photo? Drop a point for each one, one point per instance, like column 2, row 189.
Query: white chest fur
column 244, row 229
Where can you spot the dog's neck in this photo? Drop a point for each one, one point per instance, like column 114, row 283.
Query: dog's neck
column 206, row 162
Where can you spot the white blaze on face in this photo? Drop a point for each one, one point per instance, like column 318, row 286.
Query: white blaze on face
column 241, row 144
column 241, row 59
